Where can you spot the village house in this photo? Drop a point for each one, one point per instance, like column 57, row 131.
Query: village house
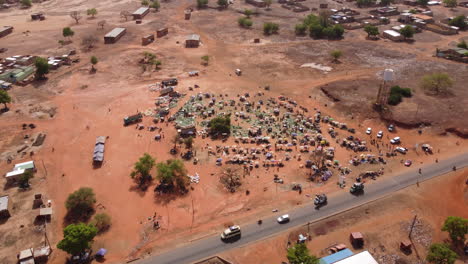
column 162, row 32
column 5, row 31
column 392, row 35
column 5, row 206
column 114, row 35
column 19, row 170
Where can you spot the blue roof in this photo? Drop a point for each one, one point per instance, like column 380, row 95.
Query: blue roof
column 336, row 257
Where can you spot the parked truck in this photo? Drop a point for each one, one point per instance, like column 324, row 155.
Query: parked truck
column 128, row 120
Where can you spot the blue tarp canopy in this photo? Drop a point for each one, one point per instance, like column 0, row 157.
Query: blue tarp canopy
column 101, row 252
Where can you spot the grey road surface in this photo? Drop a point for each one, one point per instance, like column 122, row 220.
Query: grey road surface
column 251, row 232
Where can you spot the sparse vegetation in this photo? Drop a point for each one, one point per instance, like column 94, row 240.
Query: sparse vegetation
column 397, row 93
column 320, row 27
column 149, row 60
column 300, row 29
column 92, row 12
column 155, row 5
column 270, row 28
column 142, row 170
column 172, row 175
column 268, row 3
column 42, row 68
column 462, row 44
column 26, row 3
column 145, row 2
column 80, row 204
column 299, row 254
column 371, row 30
column 202, row 3
column 231, row 179
column 93, row 61
column 223, row 3
column 102, row 222
column 441, row 254
column 205, row 60
column 4, row 98
column 245, row 22
column 76, row 16
column 89, row 41
column 220, row 125
column 67, row 32
column 450, row 3
column 248, row 13
column 336, row 55
column 77, row 238
column 436, row 83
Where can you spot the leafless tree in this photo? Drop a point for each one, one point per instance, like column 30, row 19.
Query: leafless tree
column 125, row 15
column 101, row 24
column 89, row 41
column 76, row 16
column 230, row 179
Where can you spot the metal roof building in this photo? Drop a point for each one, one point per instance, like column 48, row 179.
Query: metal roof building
column 334, row 258
column 114, row 35
column 140, row 12
column 361, row 258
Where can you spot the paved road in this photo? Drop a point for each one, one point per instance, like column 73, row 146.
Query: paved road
column 252, row 232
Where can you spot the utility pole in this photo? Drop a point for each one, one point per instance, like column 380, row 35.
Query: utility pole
column 412, row 226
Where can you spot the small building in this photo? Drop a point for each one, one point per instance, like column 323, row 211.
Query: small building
column 26, row 256
column 405, row 245
column 20, row 169
column 356, row 239
column 37, row 16
column 192, row 41
column 257, row 3
column 147, row 39
column 140, row 13
column 5, row 206
column 114, row 35
column 333, row 258
column 5, row 31
column 424, row 18
column 187, row 14
column 392, row 35
column 45, row 213
column 98, row 154
column 361, row 258
column 162, row 32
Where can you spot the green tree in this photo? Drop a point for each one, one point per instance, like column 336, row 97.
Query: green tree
column 24, row 179
column 316, row 31
column 268, row 3
column 145, row 2
column 422, row 2
column 77, row 238
column 205, row 60
column 371, row 30
column 91, row 12
column 155, row 5
column 68, row 32
column 248, row 13
column 336, row 54
column 338, row 31
column 26, row 3
column 102, row 222
column 157, row 64
column 441, row 254
column 202, row 3
column 223, row 3
column 299, row 254
column 459, row 21
column 451, row 3
column 173, row 173
column 220, row 125
column 81, row 202
column 436, row 83
column 245, row 22
column 4, row 98
column 42, row 67
column 270, row 28
column 300, row 29
column 457, row 228
column 462, row 44
column 142, row 170
column 94, row 61
column 407, row 31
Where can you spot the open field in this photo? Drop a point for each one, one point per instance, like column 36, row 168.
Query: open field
column 75, row 106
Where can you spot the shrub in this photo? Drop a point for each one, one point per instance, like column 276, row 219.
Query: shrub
column 270, row 28
column 300, row 29
column 202, row 3
column 81, row 202
column 397, row 93
column 102, row 222
column 220, row 124
column 245, row 22
column 394, row 99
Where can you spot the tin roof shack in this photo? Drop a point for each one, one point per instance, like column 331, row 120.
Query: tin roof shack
column 356, row 239
column 45, row 213
column 5, row 31
column 437, row 27
column 392, row 35
column 148, row 39
column 192, row 41
column 26, row 256
column 5, row 206
column 333, row 258
column 421, row 17
column 385, row 11
column 456, row 54
column 114, row 35
column 98, row 154
column 140, row 13
column 41, row 254
column 257, row 3
column 162, row 32
column 17, row 75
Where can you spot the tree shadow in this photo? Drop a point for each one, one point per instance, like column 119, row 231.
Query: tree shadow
column 38, row 83
column 73, row 217
column 164, row 194
column 139, row 190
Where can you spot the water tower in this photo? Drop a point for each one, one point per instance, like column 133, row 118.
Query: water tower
column 382, row 95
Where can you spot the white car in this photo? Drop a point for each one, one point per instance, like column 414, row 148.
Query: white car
column 369, row 131
column 401, row 150
column 283, row 219
column 380, row 134
column 395, row 140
